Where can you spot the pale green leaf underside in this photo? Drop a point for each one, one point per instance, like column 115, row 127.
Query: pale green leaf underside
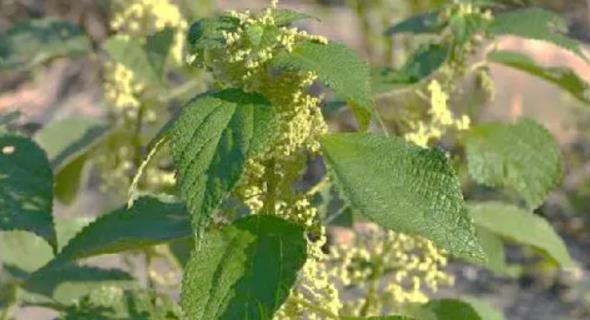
column 564, row 78
column 522, row 156
column 537, row 24
column 244, row 271
column 402, row 187
column 523, row 227
column 211, row 141
column 340, row 69
column 26, row 188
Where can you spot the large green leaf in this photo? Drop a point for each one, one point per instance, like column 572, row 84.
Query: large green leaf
column 243, row 271
column 340, row 69
column 26, row 188
column 523, row 227
column 564, row 78
column 149, row 222
column 450, row 309
column 537, row 24
column 402, row 187
column 32, row 42
column 522, row 156
column 211, row 141
column 428, row 22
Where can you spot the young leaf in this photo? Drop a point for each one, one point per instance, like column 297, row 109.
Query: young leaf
column 402, row 187
column 537, row 24
column 424, row 23
column 450, row 309
column 26, row 188
column 149, row 222
column 564, row 78
column 243, row 271
column 32, row 42
column 211, row 141
column 522, row 156
column 340, row 69
column 132, row 55
column 523, row 227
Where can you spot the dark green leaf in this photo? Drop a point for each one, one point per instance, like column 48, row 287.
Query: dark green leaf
column 157, row 48
column 564, row 78
column 149, row 222
column 244, row 271
column 402, row 187
column 449, row 309
column 522, row 156
column 424, row 23
column 537, row 24
column 211, row 141
column 340, row 69
column 26, row 188
column 69, row 179
column 32, row 42
column 207, row 34
column 523, row 227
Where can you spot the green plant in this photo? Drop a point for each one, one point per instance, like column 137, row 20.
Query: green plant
column 250, row 243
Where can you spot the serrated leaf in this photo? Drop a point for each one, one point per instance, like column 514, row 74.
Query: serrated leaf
column 285, row 17
column 149, row 222
column 522, row 156
column 32, row 42
column 402, row 187
column 450, row 309
column 157, row 48
column 131, row 54
column 422, row 64
column 211, row 141
column 243, row 271
column 428, row 22
column 26, row 188
column 340, row 69
column 523, row 227
column 563, row 77
column 113, row 304
column 537, row 24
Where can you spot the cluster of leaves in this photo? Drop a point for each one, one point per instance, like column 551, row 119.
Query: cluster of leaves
column 246, row 268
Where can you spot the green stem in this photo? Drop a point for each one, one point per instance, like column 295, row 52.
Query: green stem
column 315, row 308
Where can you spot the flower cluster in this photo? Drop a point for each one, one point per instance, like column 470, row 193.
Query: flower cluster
column 440, row 119
column 392, row 269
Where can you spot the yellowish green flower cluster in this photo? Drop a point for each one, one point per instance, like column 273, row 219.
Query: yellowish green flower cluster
column 440, row 119
column 121, row 89
column 391, row 268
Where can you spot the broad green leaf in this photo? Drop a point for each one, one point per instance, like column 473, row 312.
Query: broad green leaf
column 131, row 54
column 564, row 78
column 422, row 64
column 149, row 222
column 285, row 17
column 112, row 303
column 523, row 227
column 340, row 69
column 69, row 179
column 71, row 282
column 537, row 24
column 26, row 188
column 484, row 309
column 402, row 187
column 211, row 141
column 243, row 271
column 66, row 140
column 493, row 246
column 450, row 309
column 157, row 48
column 522, row 156
column 32, row 42
column 424, row 23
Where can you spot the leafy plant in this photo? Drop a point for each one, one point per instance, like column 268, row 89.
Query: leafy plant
column 216, row 190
